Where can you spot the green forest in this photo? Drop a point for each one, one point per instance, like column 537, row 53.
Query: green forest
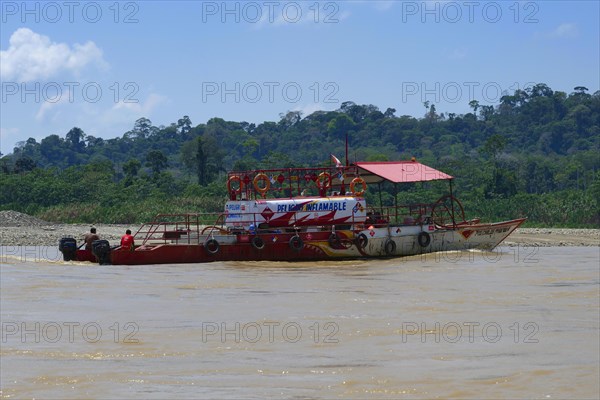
column 535, row 154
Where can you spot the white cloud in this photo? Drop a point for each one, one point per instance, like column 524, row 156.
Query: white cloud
column 565, row 30
column 310, row 108
column 344, row 15
column 31, row 56
column 141, row 109
column 119, row 117
column 93, row 117
column 47, row 106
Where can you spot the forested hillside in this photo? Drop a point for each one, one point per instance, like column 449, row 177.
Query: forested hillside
column 535, row 154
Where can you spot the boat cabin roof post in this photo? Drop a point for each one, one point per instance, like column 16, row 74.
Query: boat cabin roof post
column 452, row 203
column 395, row 202
column 380, row 200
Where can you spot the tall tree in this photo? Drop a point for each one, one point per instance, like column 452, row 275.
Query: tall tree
column 474, row 104
column 184, row 125
column 75, row 138
column 201, row 163
column 24, row 164
column 157, row 161
column 131, row 167
column 493, row 146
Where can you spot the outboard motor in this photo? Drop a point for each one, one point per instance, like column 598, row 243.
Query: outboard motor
column 101, row 249
column 68, row 247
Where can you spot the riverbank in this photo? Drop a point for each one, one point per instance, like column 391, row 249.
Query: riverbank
column 17, row 229
column 49, row 235
column 544, row 237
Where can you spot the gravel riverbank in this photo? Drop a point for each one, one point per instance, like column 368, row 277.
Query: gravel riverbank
column 545, row 237
column 18, row 229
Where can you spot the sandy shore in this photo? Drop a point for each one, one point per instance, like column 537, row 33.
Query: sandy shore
column 554, row 237
column 49, row 235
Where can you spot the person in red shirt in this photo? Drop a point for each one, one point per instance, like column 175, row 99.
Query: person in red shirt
column 127, row 241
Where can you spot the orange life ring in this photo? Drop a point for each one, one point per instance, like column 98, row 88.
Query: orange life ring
column 356, row 181
column 237, row 179
column 326, row 177
column 267, row 184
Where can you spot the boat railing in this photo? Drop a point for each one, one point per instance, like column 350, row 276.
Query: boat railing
column 405, row 214
column 184, row 228
column 197, row 228
column 290, row 182
column 217, row 226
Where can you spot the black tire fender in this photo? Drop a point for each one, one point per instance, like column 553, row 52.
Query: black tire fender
column 334, row 240
column 296, row 243
column 390, row 247
column 258, row 243
column 212, row 246
column 361, row 241
column 424, row 239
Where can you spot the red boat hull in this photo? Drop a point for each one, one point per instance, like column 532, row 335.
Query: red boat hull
column 277, row 247
column 317, row 245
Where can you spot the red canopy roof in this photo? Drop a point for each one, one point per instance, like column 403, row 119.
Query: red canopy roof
column 399, row 172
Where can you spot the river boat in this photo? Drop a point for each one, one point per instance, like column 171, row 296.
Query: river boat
column 302, row 214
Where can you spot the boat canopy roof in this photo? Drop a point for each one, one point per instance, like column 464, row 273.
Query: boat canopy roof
column 398, row 172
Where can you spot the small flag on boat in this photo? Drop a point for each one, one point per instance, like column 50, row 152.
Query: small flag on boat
column 337, row 162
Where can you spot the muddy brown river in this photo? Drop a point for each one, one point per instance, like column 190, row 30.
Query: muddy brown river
column 520, row 322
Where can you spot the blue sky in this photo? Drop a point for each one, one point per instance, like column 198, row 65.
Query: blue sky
column 102, row 65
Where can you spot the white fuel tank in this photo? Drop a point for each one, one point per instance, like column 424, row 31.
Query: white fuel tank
column 302, row 211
